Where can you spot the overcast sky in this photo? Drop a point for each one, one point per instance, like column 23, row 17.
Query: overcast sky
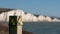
column 42, row 7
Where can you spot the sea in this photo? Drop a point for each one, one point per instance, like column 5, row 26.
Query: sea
column 42, row 27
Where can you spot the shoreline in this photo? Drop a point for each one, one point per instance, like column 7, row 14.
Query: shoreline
column 5, row 30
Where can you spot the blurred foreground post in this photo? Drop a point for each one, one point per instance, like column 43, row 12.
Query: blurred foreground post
column 19, row 25
column 15, row 26
column 12, row 24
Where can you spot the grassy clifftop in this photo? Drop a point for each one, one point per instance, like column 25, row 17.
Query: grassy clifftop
column 5, row 9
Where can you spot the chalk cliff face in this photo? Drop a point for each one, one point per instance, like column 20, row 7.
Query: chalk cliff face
column 26, row 17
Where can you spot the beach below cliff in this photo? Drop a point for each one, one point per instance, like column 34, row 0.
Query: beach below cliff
column 5, row 30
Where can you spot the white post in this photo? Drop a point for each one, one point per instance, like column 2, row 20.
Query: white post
column 19, row 25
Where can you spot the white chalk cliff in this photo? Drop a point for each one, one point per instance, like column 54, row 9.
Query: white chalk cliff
column 4, row 16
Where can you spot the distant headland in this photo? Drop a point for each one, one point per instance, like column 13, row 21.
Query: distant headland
column 26, row 17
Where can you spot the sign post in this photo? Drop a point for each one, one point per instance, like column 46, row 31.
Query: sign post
column 12, row 24
column 15, row 26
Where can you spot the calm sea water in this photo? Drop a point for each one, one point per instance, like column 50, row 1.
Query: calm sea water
column 42, row 27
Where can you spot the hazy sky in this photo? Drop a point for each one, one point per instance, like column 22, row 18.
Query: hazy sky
column 42, row 7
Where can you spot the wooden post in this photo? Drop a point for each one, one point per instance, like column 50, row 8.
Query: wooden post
column 19, row 25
